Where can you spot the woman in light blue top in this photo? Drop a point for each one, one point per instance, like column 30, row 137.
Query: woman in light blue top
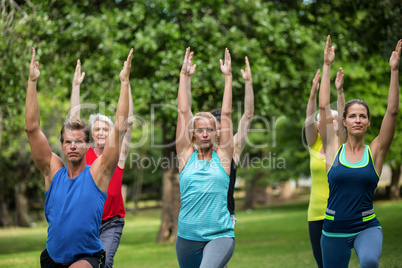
column 205, row 236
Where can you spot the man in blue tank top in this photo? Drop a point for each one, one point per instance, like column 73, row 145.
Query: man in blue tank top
column 75, row 193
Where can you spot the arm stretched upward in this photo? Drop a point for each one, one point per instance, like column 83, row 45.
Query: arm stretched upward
column 239, row 139
column 382, row 142
column 225, row 149
column 183, row 139
column 47, row 162
column 104, row 166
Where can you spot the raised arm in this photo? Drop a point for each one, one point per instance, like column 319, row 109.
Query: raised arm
column 125, row 148
column 310, row 125
column 189, row 72
column 75, row 94
column 183, row 140
column 329, row 140
column 382, row 142
column 225, row 150
column 239, row 139
column 103, row 167
column 47, row 162
column 342, row 133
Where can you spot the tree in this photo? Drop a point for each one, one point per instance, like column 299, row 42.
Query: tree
column 283, row 40
column 14, row 165
column 364, row 33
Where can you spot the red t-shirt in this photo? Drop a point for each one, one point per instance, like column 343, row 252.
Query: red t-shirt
column 114, row 204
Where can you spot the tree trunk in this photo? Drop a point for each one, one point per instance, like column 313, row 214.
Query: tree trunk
column 138, row 189
column 3, row 211
column 3, row 207
column 22, row 205
column 249, row 199
column 138, row 184
column 170, row 194
column 170, row 206
column 394, row 193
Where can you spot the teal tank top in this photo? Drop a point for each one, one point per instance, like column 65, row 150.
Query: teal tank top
column 351, row 192
column 73, row 209
column 204, row 213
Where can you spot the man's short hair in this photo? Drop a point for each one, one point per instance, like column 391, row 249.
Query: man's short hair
column 217, row 113
column 76, row 124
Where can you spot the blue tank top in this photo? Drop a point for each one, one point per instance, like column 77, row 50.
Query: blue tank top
column 351, row 191
column 204, row 214
column 73, row 209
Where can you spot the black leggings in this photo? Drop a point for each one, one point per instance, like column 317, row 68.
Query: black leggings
column 315, row 231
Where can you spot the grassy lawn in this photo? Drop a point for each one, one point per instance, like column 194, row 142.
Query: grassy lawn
column 265, row 237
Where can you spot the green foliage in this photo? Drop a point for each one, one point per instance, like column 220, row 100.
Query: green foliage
column 284, row 41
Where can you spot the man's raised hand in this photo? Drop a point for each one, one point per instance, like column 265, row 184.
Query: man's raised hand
column 78, row 76
column 34, row 68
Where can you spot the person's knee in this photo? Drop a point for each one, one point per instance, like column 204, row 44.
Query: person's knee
column 81, row 264
column 369, row 261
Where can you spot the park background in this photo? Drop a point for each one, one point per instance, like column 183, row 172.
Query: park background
column 284, row 41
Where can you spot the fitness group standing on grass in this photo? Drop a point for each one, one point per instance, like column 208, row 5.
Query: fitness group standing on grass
column 84, row 206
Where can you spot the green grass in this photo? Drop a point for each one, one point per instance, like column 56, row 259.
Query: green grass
column 265, row 237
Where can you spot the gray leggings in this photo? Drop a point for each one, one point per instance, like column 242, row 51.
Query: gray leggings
column 110, row 233
column 210, row 254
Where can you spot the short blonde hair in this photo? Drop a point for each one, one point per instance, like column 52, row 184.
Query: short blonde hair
column 199, row 116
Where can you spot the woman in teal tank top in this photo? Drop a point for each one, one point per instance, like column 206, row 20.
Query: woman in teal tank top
column 353, row 171
column 205, row 236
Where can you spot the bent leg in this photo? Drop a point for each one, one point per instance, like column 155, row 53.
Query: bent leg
column 96, row 260
column 368, row 247
column 217, row 253
column 315, row 232
column 110, row 234
column 189, row 252
column 46, row 261
column 336, row 252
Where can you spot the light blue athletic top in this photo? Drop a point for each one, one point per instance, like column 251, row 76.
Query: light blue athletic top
column 204, row 214
column 73, row 209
